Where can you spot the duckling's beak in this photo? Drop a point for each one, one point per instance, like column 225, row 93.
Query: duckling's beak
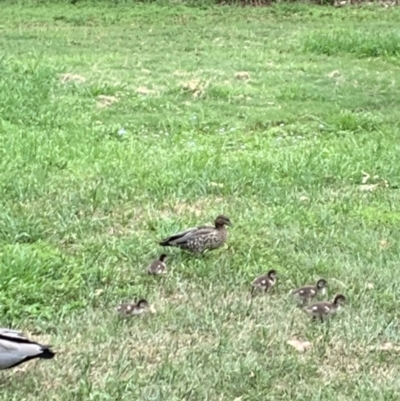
column 229, row 224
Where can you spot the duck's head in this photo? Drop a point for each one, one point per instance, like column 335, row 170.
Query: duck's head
column 142, row 303
column 272, row 274
column 163, row 257
column 322, row 283
column 222, row 220
column 339, row 299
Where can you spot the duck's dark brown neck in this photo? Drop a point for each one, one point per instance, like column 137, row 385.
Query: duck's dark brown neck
column 220, row 226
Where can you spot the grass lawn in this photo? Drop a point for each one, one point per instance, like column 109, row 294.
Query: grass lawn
column 123, row 124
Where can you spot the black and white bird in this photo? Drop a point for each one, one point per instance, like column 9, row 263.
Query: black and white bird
column 307, row 292
column 16, row 349
column 324, row 309
column 158, row 266
column 264, row 282
column 132, row 308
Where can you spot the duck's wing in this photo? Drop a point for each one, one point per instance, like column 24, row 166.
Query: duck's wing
column 152, row 267
column 260, row 281
column 15, row 350
column 305, row 290
column 122, row 307
column 171, row 240
column 319, row 308
column 155, row 267
column 184, row 236
column 125, row 308
column 12, row 333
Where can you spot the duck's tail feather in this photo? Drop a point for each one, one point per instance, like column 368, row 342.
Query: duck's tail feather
column 166, row 243
column 47, row 352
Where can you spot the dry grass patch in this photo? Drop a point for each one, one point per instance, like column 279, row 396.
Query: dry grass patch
column 300, row 345
column 143, row 90
column 69, row 77
column 196, row 86
column 197, row 208
column 243, row 75
column 104, row 101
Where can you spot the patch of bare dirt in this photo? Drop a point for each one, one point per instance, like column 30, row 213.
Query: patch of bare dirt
column 69, row 77
column 180, row 73
column 142, row 90
column 334, row 74
column 196, row 86
column 384, row 244
column 370, row 184
column 299, row 345
column 244, row 75
column 104, row 101
column 197, row 208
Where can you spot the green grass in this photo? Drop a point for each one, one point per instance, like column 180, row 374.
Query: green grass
column 281, row 150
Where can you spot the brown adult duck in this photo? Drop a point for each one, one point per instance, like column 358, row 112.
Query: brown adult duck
column 264, row 282
column 324, row 309
column 158, row 266
column 307, row 292
column 200, row 239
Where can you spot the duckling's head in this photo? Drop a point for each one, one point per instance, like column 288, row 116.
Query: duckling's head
column 222, row 220
column 322, row 283
column 272, row 274
column 339, row 299
column 163, row 257
column 142, row 303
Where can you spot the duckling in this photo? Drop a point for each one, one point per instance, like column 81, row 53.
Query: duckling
column 264, row 282
column 202, row 238
column 130, row 309
column 158, row 266
column 325, row 309
column 16, row 349
column 307, row 292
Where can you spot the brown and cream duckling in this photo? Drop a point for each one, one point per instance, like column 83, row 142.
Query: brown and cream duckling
column 264, row 282
column 307, row 292
column 133, row 309
column 324, row 309
column 202, row 238
column 158, row 266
